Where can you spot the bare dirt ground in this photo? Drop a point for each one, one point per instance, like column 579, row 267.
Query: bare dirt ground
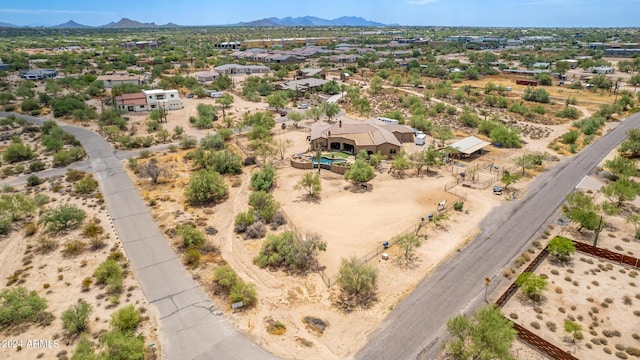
column 58, row 277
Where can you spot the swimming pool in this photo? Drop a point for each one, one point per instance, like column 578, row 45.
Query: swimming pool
column 327, row 161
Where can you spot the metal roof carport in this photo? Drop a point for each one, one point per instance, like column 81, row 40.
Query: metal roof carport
column 469, row 145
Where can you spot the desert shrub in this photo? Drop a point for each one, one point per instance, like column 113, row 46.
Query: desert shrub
column 74, row 247
column 64, row 217
column 111, row 274
column 237, row 289
column 263, row 179
column 256, row 231
column 632, row 351
column 34, row 180
column 118, row 345
column 357, row 280
column 458, row 205
column 568, row 113
column 535, row 325
column 46, row 245
column 86, row 282
column 278, row 220
column 66, row 157
column 76, row 318
column 551, row 326
column 264, row 205
column 86, row 185
column 287, row 251
column 17, row 151
column 570, row 137
column 36, row 166
column 21, row 306
column 621, row 355
column 590, row 126
column 30, row 228
column 243, row 221
column 192, row 257
column 73, row 175
column 125, row 320
column 212, row 142
column 191, row 236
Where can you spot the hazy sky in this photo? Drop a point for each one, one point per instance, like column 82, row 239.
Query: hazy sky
column 522, row 13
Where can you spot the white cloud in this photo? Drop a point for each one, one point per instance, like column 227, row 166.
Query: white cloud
column 421, row 2
column 52, row 11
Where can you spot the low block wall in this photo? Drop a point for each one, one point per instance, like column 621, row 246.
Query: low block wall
column 303, row 165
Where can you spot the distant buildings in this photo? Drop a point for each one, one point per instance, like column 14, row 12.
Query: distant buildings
column 39, row 74
column 3, row 66
column 149, row 100
column 139, row 45
column 231, row 69
column 205, row 76
column 112, row 80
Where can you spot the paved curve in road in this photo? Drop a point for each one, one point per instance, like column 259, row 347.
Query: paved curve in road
column 416, row 327
column 189, row 326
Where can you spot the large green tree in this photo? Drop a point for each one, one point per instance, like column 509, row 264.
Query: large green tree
column 487, row 335
column 358, row 281
column 622, row 190
column 532, row 285
column 205, row 186
column 359, row 172
column 310, row 182
column 561, row 248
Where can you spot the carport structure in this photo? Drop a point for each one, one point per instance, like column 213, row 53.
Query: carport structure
column 469, row 145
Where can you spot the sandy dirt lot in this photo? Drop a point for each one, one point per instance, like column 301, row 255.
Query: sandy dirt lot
column 58, row 277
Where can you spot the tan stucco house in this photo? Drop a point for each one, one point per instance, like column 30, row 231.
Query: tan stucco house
column 355, row 137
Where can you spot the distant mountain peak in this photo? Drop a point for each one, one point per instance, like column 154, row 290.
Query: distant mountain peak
column 70, row 25
column 125, row 23
column 311, row 21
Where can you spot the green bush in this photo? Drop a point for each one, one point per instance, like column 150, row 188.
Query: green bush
column 86, row 185
column 119, row 345
column 204, row 187
column 226, row 134
column 36, row 166
column 20, row 306
column 64, row 217
column 126, row 320
column 243, row 221
column 263, row 179
column 264, row 204
column 192, row 257
column 191, row 236
column 34, row 180
column 568, row 113
column 108, row 271
column 287, row 251
column 570, row 138
column 590, row 126
column 537, row 95
column 76, row 318
column 65, row 157
column 17, row 151
column 238, row 290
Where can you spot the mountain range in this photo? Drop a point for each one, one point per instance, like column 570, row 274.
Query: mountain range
column 311, row 21
column 126, row 23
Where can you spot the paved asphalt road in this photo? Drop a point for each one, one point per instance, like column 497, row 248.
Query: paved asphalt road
column 415, row 329
column 189, row 327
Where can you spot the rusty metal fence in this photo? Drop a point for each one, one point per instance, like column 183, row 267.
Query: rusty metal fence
column 607, row 254
column 536, row 341
column 542, row 345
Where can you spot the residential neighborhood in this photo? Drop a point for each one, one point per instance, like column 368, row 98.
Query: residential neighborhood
column 310, row 188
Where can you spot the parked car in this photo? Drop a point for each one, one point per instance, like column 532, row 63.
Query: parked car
column 283, row 113
column 216, row 94
column 303, row 106
column 189, row 96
